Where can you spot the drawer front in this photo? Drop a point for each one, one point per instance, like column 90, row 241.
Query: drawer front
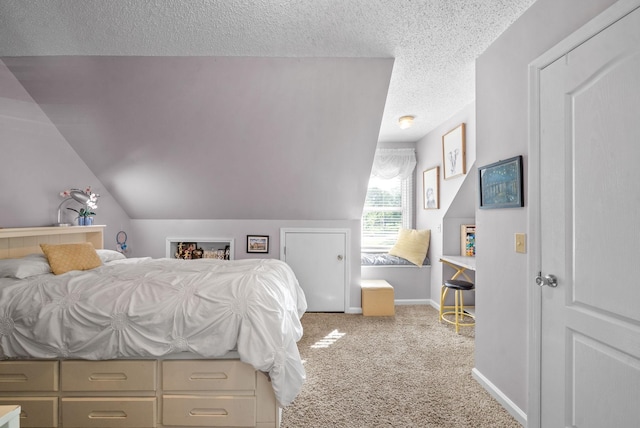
column 125, row 375
column 207, row 375
column 18, row 376
column 36, row 412
column 109, row 412
column 208, row 411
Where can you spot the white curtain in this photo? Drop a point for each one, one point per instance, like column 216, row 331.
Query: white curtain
column 391, row 163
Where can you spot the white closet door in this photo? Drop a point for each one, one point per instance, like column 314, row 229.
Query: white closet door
column 319, row 261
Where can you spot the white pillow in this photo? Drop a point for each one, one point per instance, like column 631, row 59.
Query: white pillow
column 33, row 264
column 109, row 255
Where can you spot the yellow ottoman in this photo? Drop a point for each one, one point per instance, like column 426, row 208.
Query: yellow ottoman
column 377, row 298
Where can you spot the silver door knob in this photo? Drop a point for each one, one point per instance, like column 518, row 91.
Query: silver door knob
column 549, row 280
column 340, row 257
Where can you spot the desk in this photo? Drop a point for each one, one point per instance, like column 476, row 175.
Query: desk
column 10, row 416
column 460, row 264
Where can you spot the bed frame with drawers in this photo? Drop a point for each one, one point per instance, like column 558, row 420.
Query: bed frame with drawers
column 180, row 392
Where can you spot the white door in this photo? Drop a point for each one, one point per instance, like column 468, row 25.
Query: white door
column 590, row 232
column 319, row 261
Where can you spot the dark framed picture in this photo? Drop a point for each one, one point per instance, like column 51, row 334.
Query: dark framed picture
column 257, row 244
column 501, row 184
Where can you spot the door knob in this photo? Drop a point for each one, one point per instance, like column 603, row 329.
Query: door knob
column 549, row 280
column 340, row 257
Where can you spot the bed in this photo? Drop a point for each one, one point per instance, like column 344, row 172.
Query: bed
column 145, row 342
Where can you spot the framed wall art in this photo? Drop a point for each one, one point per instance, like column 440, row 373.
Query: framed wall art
column 431, row 188
column 454, row 152
column 501, row 185
column 257, row 244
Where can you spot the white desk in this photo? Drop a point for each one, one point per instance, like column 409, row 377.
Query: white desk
column 10, row 416
column 460, row 264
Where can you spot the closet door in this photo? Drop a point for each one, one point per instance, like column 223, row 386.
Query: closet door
column 318, row 258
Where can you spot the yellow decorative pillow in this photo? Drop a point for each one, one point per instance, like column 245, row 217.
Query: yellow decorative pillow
column 66, row 257
column 412, row 245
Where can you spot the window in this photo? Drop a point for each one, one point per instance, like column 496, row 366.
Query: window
column 387, row 208
column 390, row 199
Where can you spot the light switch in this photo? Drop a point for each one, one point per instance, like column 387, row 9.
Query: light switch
column 521, row 243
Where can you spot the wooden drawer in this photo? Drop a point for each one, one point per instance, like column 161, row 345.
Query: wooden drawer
column 18, row 376
column 209, row 375
column 109, row 412
column 208, row 411
column 125, row 375
column 36, row 412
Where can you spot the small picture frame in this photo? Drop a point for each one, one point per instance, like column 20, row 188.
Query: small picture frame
column 500, row 184
column 454, row 152
column 431, row 188
column 257, row 244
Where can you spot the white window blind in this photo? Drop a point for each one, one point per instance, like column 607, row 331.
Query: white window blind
column 389, row 202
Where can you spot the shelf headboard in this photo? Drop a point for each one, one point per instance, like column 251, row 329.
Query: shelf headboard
column 20, row 241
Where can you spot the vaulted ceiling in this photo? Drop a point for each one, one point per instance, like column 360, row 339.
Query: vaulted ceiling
column 216, row 109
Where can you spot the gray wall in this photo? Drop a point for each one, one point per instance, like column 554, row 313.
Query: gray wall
column 37, row 164
column 445, row 222
column 502, row 132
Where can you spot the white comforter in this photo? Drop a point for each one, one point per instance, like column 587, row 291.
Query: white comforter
column 155, row 307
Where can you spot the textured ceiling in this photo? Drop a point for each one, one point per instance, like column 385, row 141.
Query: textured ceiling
column 434, row 42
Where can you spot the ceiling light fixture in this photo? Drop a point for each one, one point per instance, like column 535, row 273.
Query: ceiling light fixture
column 405, row 122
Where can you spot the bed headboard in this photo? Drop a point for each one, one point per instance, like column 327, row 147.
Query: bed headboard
column 18, row 242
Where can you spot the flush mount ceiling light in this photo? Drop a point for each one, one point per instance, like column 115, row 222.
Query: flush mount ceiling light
column 405, row 122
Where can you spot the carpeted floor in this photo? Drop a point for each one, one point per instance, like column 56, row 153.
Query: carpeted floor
column 403, row 371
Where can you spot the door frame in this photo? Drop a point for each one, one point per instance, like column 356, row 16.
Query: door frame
column 605, row 19
column 347, row 251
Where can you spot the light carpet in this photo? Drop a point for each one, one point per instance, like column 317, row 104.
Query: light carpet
column 403, row 371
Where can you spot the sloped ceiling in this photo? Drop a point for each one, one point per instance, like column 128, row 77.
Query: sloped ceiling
column 238, row 109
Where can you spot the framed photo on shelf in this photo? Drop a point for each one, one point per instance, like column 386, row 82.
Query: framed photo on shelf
column 257, row 244
column 430, row 188
column 501, row 185
column 454, row 152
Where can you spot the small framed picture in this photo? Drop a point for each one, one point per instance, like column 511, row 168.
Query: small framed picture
column 501, row 184
column 430, row 179
column 454, row 152
column 257, row 244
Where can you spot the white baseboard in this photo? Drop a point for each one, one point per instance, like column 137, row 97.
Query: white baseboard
column 399, row 302
column 509, row 405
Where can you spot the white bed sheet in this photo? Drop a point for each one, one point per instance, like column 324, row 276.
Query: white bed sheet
column 145, row 307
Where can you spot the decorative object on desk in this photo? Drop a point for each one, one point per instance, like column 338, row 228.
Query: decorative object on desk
column 85, row 197
column 121, row 241
column 431, row 188
column 454, row 152
column 189, row 251
column 468, row 240
column 501, row 185
column 257, row 244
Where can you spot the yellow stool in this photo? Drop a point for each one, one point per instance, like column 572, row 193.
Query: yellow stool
column 460, row 316
column 377, row 298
